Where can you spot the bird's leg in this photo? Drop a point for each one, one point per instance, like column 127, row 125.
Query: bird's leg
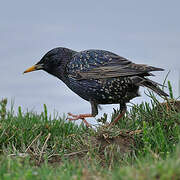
column 83, row 116
column 123, row 111
column 80, row 116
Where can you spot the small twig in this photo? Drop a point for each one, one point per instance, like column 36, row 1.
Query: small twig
column 48, row 136
column 70, row 154
column 138, row 131
column 74, row 153
column 53, row 155
column 18, row 154
column 33, row 141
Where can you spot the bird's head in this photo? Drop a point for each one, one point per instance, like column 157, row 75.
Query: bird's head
column 52, row 61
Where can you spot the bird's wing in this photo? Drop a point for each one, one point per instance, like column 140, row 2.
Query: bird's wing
column 99, row 64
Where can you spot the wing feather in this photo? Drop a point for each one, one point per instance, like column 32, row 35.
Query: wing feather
column 99, row 64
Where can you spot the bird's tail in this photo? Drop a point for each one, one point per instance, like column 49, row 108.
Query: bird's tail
column 155, row 87
column 141, row 81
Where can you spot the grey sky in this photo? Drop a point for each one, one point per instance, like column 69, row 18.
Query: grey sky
column 144, row 31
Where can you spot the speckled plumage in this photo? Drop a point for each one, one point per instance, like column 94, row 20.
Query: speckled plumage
column 101, row 90
column 99, row 76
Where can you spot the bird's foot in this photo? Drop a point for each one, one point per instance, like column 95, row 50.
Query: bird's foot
column 80, row 116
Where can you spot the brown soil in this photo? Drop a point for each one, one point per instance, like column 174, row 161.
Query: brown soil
column 123, row 141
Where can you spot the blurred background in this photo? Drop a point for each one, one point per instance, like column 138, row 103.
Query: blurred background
column 145, row 32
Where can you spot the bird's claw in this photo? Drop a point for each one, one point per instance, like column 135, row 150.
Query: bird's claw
column 80, row 116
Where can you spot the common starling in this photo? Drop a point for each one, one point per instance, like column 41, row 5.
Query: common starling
column 98, row 76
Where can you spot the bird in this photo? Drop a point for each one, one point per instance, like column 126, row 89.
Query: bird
column 98, row 76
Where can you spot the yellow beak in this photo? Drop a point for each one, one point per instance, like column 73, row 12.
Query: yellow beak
column 34, row 68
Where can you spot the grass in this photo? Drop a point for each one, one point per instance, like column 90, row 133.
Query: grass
column 144, row 145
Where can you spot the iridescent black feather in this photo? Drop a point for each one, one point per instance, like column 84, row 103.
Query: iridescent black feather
column 99, row 76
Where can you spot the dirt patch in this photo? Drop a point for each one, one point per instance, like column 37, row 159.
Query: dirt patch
column 112, row 143
column 124, row 140
column 103, row 145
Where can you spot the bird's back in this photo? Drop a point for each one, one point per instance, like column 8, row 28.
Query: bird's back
column 106, row 77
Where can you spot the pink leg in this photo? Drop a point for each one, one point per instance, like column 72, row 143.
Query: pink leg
column 80, row 116
column 118, row 117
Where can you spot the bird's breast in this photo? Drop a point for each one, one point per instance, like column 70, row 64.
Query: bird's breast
column 104, row 91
